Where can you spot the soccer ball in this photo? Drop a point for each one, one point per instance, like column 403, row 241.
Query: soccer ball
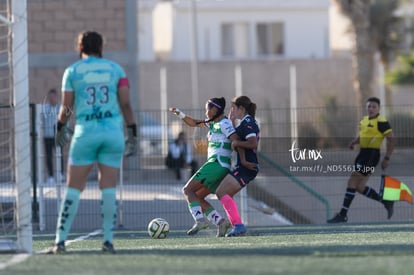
column 158, row 228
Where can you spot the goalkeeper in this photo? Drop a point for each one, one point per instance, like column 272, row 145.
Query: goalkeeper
column 97, row 91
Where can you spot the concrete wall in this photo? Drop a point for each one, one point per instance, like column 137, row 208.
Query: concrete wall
column 266, row 82
column 53, row 26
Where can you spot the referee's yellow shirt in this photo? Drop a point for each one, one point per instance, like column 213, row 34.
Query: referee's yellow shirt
column 372, row 131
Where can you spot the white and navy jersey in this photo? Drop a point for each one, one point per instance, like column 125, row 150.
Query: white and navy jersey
column 219, row 145
column 247, row 128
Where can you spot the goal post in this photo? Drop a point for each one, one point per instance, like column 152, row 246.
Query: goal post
column 20, row 76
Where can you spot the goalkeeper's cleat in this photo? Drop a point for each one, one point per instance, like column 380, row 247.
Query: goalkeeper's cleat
column 199, row 225
column 108, row 248
column 389, row 206
column 222, row 228
column 238, row 230
column 338, row 219
column 58, row 248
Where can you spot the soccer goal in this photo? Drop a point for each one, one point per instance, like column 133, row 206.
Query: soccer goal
column 15, row 183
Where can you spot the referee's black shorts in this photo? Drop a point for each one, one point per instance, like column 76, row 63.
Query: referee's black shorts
column 366, row 161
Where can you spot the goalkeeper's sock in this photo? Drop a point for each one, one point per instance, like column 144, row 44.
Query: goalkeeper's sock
column 195, row 210
column 213, row 216
column 230, row 206
column 67, row 213
column 108, row 211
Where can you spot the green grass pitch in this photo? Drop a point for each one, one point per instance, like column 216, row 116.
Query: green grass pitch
column 326, row 249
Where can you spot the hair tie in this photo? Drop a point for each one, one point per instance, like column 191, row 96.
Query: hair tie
column 213, row 103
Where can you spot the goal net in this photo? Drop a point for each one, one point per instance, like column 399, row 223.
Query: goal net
column 15, row 183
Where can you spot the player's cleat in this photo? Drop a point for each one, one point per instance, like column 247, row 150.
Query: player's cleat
column 58, row 248
column 338, row 219
column 238, row 230
column 199, row 225
column 108, row 248
column 222, row 228
column 389, row 206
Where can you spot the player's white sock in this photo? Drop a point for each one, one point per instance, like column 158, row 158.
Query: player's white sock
column 213, row 216
column 195, row 210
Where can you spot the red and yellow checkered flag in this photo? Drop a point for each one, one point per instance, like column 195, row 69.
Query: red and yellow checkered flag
column 394, row 190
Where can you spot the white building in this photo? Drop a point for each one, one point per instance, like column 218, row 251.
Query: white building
column 234, row 29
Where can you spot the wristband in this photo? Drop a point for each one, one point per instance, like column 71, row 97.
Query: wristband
column 133, row 127
column 387, row 158
column 181, row 115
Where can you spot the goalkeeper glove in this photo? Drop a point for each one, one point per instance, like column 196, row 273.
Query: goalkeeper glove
column 63, row 134
column 131, row 141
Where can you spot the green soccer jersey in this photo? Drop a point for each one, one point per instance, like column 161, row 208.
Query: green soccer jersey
column 219, row 145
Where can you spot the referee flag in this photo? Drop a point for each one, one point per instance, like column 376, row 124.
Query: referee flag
column 394, row 190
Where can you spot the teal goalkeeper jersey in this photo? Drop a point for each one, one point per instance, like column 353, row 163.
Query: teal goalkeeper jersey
column 94, row 82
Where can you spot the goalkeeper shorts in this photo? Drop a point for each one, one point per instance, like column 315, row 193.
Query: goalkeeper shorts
column 91, row 147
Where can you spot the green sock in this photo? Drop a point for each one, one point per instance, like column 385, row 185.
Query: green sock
column 108, row 211
column 67, row 213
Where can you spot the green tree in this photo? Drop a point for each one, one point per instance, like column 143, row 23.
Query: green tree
column 358, row 11
column 404, row 72
column 375, row 28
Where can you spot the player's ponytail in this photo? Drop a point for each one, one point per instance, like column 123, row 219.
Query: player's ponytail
column 246, row 103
